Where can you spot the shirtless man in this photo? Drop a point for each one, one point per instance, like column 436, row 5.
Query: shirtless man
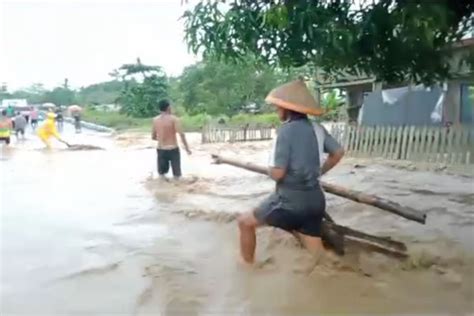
column 165, row 128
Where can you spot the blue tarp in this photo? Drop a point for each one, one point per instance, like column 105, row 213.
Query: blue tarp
column 400, row 106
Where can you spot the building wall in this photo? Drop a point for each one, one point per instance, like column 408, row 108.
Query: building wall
column 467, row 103
column 411, row 108
column 354, row 101
column 452, row 102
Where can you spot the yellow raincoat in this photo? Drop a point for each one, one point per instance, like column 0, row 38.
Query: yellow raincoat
column 48, row 129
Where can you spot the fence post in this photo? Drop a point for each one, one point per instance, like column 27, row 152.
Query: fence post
column 351, row 141
column 436, row 140
column 450, row 145
column 457, row 146
column 465, row 146
column 429, row 144
column 398, row 143
column 422, row 149
column 403, row 151
column 388, row 130
column 416, row 144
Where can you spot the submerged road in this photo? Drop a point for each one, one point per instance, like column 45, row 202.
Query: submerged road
column 85, row 232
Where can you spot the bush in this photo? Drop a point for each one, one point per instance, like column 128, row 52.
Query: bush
column 114, row 120
column 190, row 123
column 193, row 123
column 266, row 119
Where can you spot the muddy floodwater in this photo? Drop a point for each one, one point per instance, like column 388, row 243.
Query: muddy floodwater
column 95, row 233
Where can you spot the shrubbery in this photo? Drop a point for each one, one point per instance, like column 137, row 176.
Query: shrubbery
column 190, row 123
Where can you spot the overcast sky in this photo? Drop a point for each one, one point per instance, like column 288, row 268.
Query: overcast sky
column 83, row 40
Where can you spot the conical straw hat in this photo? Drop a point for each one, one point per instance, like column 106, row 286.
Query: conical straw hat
column 294, row 96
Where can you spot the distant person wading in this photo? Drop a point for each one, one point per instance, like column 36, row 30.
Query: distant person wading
column 165, row 128
column 34, row 117
column 20, row 125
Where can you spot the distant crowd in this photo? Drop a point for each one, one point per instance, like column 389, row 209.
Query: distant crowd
column 16, row 122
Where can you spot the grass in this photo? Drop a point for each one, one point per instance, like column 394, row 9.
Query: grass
column 190, row 123
column 115, row 120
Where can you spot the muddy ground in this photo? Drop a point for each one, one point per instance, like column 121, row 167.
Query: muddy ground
column 94, row 232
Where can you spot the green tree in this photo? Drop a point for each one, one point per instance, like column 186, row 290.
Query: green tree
column 143, row 86
column 217, row 87
column 100, row 93
column 394, row 40
column 4, row 94
column 34, row 94
column 61, row 95
column 332, row 104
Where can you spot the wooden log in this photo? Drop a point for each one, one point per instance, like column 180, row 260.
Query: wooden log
column 357, row 196
column 332, row 238
column 382, row 241
column 377, row 248
column 335, row 240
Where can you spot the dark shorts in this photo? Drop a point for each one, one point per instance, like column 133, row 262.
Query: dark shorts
column 34, row 121
column 20, row 131
column 5, row 139
column 279, row 210
column 167, row 157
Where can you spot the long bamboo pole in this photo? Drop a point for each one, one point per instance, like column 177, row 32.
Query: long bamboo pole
column 361, row 197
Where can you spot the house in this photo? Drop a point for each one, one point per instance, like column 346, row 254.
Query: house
column 374, row 103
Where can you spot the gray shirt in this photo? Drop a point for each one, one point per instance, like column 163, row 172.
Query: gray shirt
column 297, row 150
column 20, row 122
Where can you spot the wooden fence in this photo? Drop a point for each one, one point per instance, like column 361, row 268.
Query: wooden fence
column 453, row 145
column 221, row 134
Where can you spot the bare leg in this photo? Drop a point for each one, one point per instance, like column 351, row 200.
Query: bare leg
column 315, row 247
column 313, row 244
column 248, row 239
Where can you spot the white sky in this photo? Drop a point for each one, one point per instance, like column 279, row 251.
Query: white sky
column 83, row 40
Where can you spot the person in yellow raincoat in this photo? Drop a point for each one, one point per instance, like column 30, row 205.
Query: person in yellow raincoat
column 48, row 129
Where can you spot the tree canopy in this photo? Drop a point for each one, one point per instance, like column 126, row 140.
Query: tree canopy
column 139, row 96
column 393, row 40
column 100, row 93
column 208, row 87
column 216, row 87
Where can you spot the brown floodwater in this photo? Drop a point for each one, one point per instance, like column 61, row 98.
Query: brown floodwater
column 95, row 233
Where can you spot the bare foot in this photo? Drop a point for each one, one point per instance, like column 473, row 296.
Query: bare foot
column 163, row 178
column 260, row 264
column 264, row 264
column 307, row 266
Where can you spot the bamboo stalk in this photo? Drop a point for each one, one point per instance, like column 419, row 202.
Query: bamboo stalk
column 382, row 203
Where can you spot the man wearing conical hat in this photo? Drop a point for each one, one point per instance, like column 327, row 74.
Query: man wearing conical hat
column 298, row 203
